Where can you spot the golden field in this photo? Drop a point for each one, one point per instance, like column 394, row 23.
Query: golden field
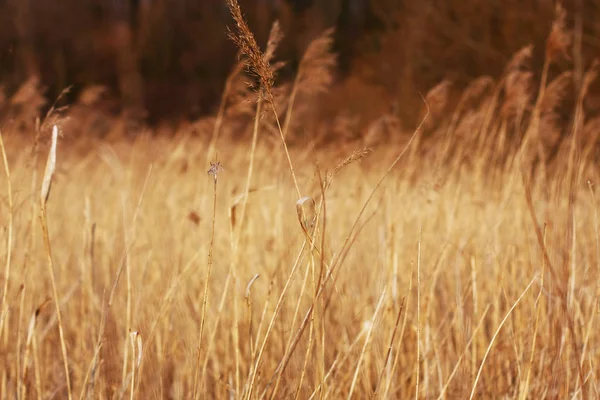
column 235, row 258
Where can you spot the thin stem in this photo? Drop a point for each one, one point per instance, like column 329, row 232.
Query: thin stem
column 63, row 347
column 487, row 352
column 285, row 148
column 205, row 297
column 235, row 245
column 4, row 310
column 418, row 317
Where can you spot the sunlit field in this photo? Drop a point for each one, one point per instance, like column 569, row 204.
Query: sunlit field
column 234, row 258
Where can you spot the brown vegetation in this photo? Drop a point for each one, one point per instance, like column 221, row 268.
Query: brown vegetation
column 239, row 256
column 160, row 59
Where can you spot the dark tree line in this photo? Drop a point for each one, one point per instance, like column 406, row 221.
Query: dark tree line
column 172, row 56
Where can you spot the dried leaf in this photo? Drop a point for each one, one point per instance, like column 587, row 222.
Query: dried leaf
column 50, row 168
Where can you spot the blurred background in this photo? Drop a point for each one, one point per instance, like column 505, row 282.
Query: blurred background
column 165, row 60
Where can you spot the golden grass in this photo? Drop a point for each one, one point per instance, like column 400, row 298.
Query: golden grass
column 444, row 285
column 460, row 263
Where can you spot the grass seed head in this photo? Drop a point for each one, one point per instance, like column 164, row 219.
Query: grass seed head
column 559, row 41
column 317, row 64
column 214, row 170
column 256, row 61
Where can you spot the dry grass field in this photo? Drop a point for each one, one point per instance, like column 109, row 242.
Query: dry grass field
column 457, row 261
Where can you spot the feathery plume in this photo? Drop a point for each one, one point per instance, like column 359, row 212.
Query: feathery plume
column 560, row 38
column 317, row 63
column 521, row 60
column 555, row 93
column 436, row 103
column 476, row 90
column 550, row 128
column 437, row 97
column 517, row 83
column 275, row 38
column 256, row 61
column 590, row 76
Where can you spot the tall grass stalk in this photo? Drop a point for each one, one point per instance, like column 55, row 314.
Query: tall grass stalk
column 44, row 195
column 418, row 363
column 213, row 171
column 9, row 245
column 235, row 240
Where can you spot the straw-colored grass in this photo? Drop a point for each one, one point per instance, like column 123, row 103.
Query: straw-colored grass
column 460, row 316
column 460, row 260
